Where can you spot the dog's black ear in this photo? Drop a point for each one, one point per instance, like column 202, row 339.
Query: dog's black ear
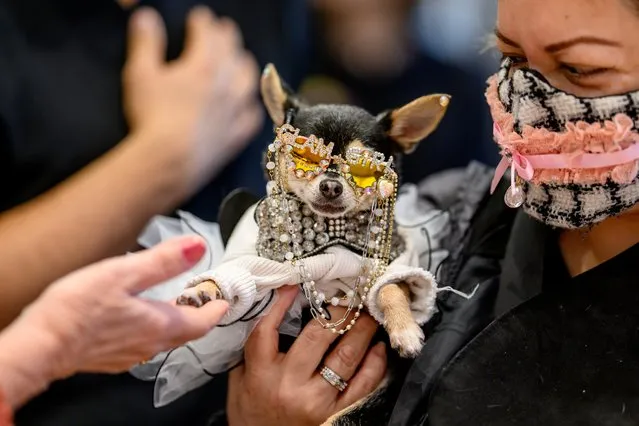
column 277, row 95
column 412, row 123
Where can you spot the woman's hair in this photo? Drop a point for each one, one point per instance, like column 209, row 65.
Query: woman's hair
column 634, row 4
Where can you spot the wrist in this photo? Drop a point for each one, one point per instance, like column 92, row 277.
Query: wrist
column 164, row 172
column 29, row 362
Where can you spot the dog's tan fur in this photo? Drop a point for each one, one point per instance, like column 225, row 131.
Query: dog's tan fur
column 405, row 334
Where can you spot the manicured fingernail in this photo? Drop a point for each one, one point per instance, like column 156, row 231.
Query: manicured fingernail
column 380, row 349
column 193, row 250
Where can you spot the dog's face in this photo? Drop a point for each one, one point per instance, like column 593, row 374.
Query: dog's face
column 330, row 193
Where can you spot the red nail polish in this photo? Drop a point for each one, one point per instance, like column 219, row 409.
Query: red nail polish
column 193, row 250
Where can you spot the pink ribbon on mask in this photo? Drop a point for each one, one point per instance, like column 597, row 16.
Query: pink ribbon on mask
column 524, row 165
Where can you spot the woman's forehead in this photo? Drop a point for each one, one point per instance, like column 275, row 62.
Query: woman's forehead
column 547, row 22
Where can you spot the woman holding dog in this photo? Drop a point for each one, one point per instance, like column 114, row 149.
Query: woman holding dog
column 552, row 330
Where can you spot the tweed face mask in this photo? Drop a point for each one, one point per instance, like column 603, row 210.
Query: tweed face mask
column 573, row 161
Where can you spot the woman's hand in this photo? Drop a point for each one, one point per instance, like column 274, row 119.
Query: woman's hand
column 93, row 321
column 198, row 111
column 272, row 388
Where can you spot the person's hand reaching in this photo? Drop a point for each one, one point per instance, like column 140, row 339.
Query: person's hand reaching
column 273, row 388
column 198, row 111
column 93, row 321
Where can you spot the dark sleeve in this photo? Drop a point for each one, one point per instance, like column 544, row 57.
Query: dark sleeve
column 8, row 109
column 478, row 262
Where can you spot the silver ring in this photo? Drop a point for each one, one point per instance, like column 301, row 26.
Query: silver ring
column 333, row 379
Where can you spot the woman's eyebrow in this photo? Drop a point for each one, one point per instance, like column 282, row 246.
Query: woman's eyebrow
column 562, row 45
column 505, row 39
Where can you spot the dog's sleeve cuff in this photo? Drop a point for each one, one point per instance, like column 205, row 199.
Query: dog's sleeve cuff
column 422, row 286
column 237, row 286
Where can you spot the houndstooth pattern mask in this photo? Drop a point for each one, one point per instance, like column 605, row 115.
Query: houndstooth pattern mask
column 533, row 102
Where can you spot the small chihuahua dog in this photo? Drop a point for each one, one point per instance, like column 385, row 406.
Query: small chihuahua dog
column 329, row 194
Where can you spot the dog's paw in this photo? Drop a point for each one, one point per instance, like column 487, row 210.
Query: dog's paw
column 408, row 341
column 194, row 297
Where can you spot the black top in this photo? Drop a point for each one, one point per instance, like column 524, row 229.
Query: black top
column 60, row 86
column 569, row 356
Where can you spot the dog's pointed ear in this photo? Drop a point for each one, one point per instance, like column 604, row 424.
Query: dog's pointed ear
column 412, row 123
column 276, row 95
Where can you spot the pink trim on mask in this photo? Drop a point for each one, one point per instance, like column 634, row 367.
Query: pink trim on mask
column 584, row 153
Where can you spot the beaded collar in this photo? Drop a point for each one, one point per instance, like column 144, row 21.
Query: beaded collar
column 313, row 233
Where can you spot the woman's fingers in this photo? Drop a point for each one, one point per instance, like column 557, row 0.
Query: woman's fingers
column 147, row 40
column 351, row 349
column 199, row 321
column 147, row 268
column 262, row 345
column 309, row 348
column 367, row 379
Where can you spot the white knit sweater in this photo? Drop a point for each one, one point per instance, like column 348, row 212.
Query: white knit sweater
column 245, row 278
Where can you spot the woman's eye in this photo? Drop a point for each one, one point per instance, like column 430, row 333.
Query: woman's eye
column 576, row 72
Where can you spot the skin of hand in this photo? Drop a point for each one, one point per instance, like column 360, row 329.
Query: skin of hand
column 273, row 388
column 188, row 118
column 93, row 321
column 202, row 106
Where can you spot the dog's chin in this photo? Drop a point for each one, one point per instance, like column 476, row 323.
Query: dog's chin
column 328, row 209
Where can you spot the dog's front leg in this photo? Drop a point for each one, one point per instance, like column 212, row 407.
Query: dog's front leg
column 200, row 294
column 405, row 334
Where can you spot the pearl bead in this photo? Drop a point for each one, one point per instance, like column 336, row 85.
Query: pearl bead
column 334, row 301
column 342, row 331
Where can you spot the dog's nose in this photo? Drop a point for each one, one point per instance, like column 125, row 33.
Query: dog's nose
column 331, row 188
